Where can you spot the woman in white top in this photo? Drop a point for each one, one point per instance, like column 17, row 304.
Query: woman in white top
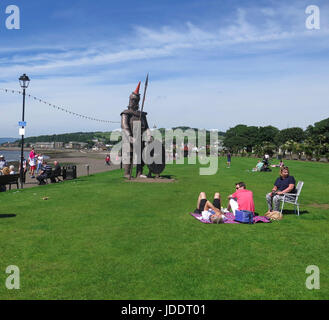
column 40, row 162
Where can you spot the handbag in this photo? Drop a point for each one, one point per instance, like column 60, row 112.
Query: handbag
column 244, row 216
column 274, row 215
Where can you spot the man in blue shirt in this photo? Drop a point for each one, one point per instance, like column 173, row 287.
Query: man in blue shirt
column 284, row 184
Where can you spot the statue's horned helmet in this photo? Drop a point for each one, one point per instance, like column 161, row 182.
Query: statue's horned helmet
column 134, row 98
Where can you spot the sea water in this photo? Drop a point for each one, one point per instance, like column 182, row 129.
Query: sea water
column 15, row 155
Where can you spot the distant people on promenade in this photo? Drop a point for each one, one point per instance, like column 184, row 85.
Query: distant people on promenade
column 108, row 160
column 228, row 159
column 3, row 162
column 40, row 159
column 32, row 162
column 24, row 169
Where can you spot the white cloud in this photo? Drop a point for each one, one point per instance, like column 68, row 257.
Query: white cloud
column 164, row 42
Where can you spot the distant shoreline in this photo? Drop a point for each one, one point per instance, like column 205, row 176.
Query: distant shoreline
column 51, row 152
column 41, row 150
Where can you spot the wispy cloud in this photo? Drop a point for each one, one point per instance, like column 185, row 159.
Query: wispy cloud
column 149, row 43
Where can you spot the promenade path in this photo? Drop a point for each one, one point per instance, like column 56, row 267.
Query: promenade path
column 96, row 162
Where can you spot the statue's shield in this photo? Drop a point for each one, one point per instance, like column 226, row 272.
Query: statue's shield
column 157, row 152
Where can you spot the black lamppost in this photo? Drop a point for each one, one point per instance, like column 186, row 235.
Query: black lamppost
column 24, row 81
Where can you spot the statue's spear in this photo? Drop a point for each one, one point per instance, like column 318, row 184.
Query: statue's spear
column 145, row 88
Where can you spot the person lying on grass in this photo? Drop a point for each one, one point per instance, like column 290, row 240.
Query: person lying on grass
column 210, row 211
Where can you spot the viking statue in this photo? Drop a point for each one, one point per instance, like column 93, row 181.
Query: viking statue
column 131, row 118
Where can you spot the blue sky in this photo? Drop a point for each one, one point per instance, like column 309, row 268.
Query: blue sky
column 212, row 64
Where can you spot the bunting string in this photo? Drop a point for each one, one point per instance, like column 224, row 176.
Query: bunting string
column 60, row 108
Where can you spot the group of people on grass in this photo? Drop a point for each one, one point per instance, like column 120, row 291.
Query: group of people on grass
column 242, row 198
column 263, row 165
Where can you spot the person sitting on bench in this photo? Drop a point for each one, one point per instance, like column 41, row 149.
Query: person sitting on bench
column 12, row 170
column 5, row 171
column 56, row 172
column 45, row 174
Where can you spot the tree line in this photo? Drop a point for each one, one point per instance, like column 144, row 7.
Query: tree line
column 312, row 142
column 105, row 137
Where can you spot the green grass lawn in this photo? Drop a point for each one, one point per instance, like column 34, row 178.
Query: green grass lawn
column 100, row 237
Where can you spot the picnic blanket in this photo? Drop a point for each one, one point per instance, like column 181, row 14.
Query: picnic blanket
column 229, row 218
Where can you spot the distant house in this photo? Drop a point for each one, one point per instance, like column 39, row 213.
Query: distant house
column 48, row 145
column 75, row 145
column 99, row 146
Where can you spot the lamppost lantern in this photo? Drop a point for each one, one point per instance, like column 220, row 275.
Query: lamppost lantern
column 24, row 81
